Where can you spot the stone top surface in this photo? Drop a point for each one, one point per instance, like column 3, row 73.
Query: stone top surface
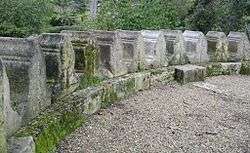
column 151, row 34
column 128, row 34
column 53, row 39
column 21, row 47
column 194, row 34
column 189, row 67
column 169, row 32
column 215, row 34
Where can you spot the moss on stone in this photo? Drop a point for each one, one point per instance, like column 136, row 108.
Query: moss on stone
column 245, row 68
column 216, row 69
column 109, row 96
column 51, row 127
column 156, row 71
column 130, row 86
column 88, row 80
column 91, row 59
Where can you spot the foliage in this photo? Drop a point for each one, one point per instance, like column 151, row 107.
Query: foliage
column 143, row 14
column 68, row 12
column 221, row 15
column 21, row 18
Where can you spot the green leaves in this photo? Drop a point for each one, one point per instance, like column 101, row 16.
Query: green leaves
column 21, row 18
column 143, row 14
column 220, row 15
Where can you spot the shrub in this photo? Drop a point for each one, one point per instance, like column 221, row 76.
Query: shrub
column 143, row 14
column 20, row 18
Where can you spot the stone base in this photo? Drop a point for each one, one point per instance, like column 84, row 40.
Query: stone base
column 189, row 73
column 216, row 69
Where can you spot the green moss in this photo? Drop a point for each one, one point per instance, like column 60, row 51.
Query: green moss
column 91, row 59
column 140, row 67
column 156, row 71
column 86, row 57
column 49, row 129
column 130, row 86
column 87, row 81
column 109, row 96
column 245, row 68
column 216, row 69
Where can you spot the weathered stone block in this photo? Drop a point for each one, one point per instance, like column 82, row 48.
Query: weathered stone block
column 109, row 62
column 22, row 145
column 59, row 57
column 190, row 73
column 80, row 39
column 217, row 46
column 25, row 67
column 111, row 53
column 155, row 48
column 196, row 46
column 133, row 50
column 239, row 47
column 175, row 47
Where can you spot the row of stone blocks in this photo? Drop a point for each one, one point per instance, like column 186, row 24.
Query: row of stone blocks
column 122, row 52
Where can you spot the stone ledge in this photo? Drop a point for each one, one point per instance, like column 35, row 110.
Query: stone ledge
column 215, row 69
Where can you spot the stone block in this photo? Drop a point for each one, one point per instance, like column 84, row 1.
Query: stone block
column 59, row 57
column 80, row 39
column 25, row 67
column 111, row 53
column 109, row 58
column 190, row 73
column 22, row 145
column 196, row 47
column 155, row 48
column 239, row 47
column 175, row 47
column 217, row 46
column 133, row 50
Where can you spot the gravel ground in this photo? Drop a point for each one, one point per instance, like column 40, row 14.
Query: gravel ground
column 171, row 118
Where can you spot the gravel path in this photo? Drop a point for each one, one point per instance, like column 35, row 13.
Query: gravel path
column 171, row 118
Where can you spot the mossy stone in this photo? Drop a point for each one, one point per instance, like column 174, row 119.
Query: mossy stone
column 245, row 68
